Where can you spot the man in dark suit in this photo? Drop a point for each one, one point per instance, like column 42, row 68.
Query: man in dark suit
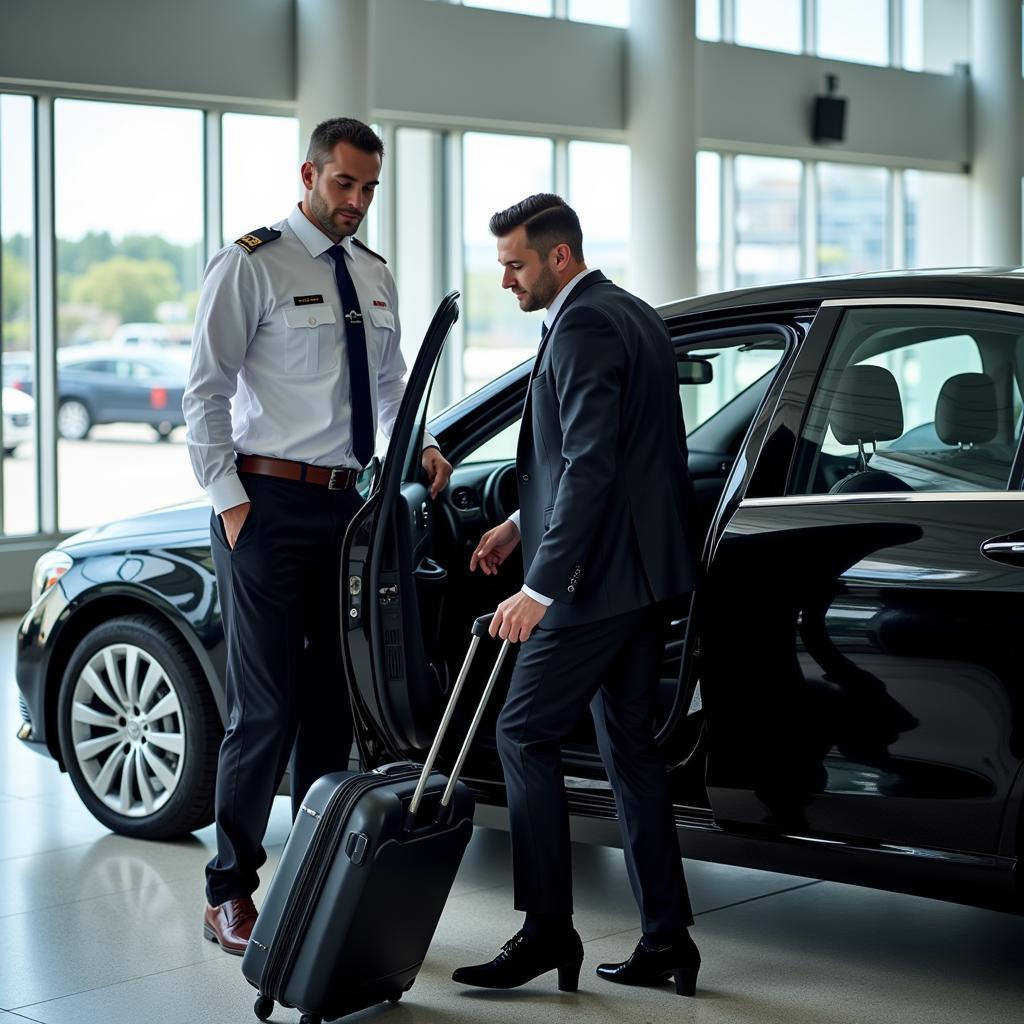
column 605, row 499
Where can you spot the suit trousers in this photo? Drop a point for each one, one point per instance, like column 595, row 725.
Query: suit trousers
column 286, row 692
column 613, row 665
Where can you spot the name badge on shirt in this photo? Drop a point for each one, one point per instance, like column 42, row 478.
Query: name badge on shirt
column 307, row 300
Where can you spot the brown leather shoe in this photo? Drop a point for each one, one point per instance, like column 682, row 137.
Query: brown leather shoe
column 230, row 924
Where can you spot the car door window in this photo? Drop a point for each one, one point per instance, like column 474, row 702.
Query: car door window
column 736, row 364
column 914, row 399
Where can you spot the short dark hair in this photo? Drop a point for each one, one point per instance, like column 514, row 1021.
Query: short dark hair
column 328, row 134
column 549, row 221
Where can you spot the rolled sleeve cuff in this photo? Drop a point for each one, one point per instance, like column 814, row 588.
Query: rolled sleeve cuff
column 429, row 441
column 540, row 598
column 227, row 492
column 514, row 520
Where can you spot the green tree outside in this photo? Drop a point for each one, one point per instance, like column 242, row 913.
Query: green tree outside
column 130, row 288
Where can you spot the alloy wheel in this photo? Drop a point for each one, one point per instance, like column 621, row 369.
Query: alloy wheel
column 128, row 730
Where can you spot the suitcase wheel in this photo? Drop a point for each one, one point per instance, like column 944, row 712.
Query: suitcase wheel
column 309, row 1018
column 263, row 1007
column 394, row 997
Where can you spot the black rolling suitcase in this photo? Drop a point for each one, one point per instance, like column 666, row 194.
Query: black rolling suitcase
column 363, row 879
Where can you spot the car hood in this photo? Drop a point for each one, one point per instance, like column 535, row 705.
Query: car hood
column 155, row 528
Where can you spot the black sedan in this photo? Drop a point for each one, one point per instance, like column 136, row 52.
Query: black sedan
column 844, row 699
column 110, row 384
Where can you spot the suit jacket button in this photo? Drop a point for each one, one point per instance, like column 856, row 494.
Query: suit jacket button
column 572, row 589
column 526, row 478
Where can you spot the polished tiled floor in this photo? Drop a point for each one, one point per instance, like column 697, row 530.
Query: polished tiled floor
column 97, row 929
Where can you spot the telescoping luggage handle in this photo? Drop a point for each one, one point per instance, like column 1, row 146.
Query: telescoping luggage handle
column 480, row 628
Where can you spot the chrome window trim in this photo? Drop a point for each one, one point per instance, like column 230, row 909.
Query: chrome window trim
column 917, row 300
column 875, row 496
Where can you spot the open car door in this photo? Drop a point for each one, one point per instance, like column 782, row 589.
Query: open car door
column 392, row 591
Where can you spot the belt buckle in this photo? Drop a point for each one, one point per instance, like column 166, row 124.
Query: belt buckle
column 335, row 483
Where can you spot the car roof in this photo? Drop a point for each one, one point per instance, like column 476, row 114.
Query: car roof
column 134, row 353
column 994, row 284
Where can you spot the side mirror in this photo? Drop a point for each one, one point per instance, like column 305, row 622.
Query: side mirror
column 694, row 371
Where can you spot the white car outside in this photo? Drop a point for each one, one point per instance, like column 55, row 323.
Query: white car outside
column 19, row 411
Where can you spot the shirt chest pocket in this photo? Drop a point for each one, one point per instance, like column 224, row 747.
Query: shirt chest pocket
column 380, row 329
column 311, row 340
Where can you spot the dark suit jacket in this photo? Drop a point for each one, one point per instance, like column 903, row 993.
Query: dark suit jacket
column 604, row 490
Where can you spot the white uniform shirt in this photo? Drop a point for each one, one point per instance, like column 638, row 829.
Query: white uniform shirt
column 269, row 372
column 549, row 319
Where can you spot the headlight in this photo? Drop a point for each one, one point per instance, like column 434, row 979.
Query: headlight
column 48, row 570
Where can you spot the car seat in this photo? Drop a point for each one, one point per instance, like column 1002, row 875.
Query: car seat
column 867, row 408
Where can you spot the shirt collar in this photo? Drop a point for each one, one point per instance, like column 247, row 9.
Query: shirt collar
column 549, row 316
column 315, row 241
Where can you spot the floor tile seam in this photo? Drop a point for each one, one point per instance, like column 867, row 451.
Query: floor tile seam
column 710, row 910
column 762, row 896
column 166, row 884
column 21, row 1016
column 115, row 984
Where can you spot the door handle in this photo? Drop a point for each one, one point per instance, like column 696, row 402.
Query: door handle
column 1009, row 552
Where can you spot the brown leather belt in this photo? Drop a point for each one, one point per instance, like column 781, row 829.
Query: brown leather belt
column 285, row 469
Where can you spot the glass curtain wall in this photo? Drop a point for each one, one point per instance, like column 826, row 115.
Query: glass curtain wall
column 768, row 226
column 854, row 227
column 129, row 223
column 934, row 35
column 599, row 193
column 258, row 190
column 853, row 206
column 18, row 504
column 497, row 171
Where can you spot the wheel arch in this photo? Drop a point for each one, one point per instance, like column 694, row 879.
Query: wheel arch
column 93, row 612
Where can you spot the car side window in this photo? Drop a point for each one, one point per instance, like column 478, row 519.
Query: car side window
column 499, row 448
column 914, row 399
column 736, row 363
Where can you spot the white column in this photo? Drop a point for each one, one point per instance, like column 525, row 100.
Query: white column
column 662, row 124
column 332, row 44
column 997, row 159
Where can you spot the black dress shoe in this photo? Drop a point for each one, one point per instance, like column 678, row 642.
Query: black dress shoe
column 653, row 965
column 523, row 958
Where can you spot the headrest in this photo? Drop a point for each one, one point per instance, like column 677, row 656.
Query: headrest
column 966, row 410
column 866, row 406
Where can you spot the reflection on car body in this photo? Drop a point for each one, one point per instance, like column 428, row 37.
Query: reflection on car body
column 844, row 699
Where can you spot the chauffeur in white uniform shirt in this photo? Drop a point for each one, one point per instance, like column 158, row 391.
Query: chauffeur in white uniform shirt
column 292, row 399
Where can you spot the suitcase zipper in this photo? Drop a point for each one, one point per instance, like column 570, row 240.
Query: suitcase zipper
column 310, row 877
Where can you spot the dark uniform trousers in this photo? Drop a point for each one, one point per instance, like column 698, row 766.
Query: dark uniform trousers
column 286, row 691
column 613, row 665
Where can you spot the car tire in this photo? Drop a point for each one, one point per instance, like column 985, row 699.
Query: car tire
column 163, row 431
column 139, row 731
column 74, row 421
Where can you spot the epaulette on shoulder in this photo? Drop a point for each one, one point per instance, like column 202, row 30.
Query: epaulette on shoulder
column 254, row 239
column 366, row 248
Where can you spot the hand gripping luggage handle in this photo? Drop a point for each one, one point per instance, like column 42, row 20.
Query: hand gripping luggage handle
column 480, row 627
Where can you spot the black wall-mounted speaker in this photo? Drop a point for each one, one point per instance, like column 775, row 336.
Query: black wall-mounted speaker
column 829, row 119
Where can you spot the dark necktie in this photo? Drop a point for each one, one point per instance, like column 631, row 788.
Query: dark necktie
column 358, row 366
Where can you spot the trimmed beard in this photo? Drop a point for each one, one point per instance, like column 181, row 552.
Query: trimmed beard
column 541, row 294
column 322, row 212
